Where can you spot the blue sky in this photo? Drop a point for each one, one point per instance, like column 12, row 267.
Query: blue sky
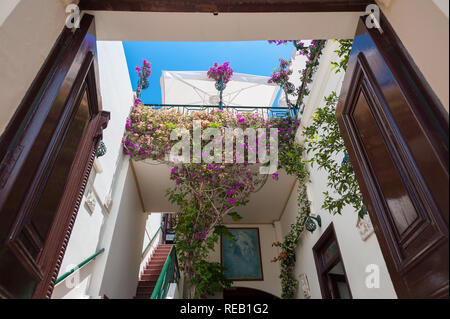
column 251, row 57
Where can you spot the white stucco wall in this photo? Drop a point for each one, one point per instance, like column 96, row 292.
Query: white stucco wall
column 356, row 253
column 121, row 273
column 271, row 271
column 413, row 20
column 27, row 34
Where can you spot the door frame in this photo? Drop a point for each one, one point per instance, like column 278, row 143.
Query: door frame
column 328, row 236
column 20, row 135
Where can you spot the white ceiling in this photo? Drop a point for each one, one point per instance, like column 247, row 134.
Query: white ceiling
column 167, row 26
column 265, row 206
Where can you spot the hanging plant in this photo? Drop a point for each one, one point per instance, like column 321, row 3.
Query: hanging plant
column 144, row 73
column 281, row 76
column 220, row 72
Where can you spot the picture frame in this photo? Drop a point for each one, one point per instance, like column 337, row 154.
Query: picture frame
column 242, row 257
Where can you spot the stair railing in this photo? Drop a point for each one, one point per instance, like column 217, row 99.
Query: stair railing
column 79, row 266
column 169, row 274
column 148, row 250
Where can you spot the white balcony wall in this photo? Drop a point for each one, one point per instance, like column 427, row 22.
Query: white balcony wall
column 356, row 253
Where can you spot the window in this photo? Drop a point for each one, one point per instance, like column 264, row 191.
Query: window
column 330, row 267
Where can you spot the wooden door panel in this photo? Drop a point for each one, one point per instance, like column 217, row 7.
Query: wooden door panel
column 46, row 150
column 396, row 133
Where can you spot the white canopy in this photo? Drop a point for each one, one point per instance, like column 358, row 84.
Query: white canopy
column 195, row 88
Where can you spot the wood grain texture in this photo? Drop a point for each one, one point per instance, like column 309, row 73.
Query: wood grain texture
column 396, row 133
column 227, row 5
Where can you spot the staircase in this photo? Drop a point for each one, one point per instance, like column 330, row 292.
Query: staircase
column 152, row 270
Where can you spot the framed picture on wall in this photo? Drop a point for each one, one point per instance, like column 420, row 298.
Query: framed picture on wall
column 242, row 255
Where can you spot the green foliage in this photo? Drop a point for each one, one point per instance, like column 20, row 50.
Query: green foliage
column 208, row 278
column 215, row 125
column 324, row 143
column 170, row 126
column 291, row 159
column 287, row 256
column 345, row 46
column 235, row 216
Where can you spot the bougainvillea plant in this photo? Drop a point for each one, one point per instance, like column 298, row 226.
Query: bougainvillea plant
column 145, row 70
column 218, row 72
column 144, row 73
column 313, row 51
column 281, row 75
column 278, row 42
column 293, row 159
column 205, row 193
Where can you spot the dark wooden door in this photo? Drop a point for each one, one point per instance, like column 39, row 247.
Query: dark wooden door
column 46, row 154
column 396, row 132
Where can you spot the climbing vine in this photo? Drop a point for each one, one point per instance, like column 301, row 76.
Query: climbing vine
column 343, row 52
column 292, row 159
column 324, row 143
column 294, row 165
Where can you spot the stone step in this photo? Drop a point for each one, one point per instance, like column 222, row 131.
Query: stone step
column 150, row 276
column 144, row 290
column 146, row 283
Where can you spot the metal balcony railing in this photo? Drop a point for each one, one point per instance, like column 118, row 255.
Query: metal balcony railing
column 265, row 111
